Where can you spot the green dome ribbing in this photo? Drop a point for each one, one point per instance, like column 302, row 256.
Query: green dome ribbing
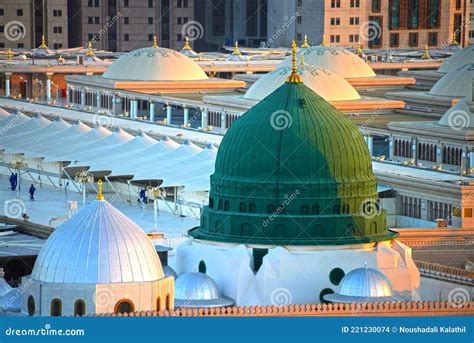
column 293, row 170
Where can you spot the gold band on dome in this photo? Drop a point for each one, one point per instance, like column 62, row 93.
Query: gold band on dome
column 294, row 77
column 99, row 196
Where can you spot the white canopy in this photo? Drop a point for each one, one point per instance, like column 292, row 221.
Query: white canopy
column 32, row 124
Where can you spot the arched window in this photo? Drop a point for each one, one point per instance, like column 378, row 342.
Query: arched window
column 304, row 209
column 345, row 208
column 168, row 302
column 79, row 308
column 31, row 305
column 202, row 267
column 316, row 209
column 271, row 209
column 242, row 207
column 211, row 203
column 226, row 205
column 56, row 308
column 124, row 306
column 252, row 208
column 158, row 304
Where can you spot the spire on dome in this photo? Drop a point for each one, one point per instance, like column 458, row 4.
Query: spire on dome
column 10, row 55
column 99, row 196
column 305, row 43
column 155, row 45
column 90, row 52
column 294, row 77
column 323, row 42
column 426, row 53
column 236, row 51
column 454, row 42
column 302, row 60
column 186, row 44
column 359, row 51
column 43, row 43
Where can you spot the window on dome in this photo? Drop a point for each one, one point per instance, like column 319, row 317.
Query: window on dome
column 56, row 308
column 202, row 267
column 324, row 292
column 31, row 305
column 242, row 207
column 158, row 304
column 79, row 308
column 336, row 275
column 316, row 209
column 168, row 302
column 124, row 306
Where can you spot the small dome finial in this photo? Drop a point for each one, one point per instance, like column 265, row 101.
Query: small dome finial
column 323, row 42
column 99, row 196
column 186, row 44
column 43, row 43
column 302, row 60
column 454, row 42
column 359, row 51
column 90, row 52
column 305, row 43
column 155, row 44
column 294, row 77
column 10, row 55
column 236, row 51
column 426, row 53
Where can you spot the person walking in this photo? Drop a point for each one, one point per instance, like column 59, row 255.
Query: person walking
column 32, row 192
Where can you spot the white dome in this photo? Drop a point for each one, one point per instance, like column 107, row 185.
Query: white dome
column 332, row 87
column 99, row 245
column 457, row 83
column 335, row 59
column 155, row 64
column 460, row 116
column 366, row 282
column 457, row 60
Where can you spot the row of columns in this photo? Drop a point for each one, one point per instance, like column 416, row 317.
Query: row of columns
column 8, row 77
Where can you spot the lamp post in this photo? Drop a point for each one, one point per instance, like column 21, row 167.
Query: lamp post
column 154, row 193
column 18, row 165
column 84, row 177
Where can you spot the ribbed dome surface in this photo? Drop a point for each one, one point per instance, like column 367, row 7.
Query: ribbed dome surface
column 335, row 59
column 295, row 158
column 330, row 86
column 457, row 83
column 155, row 64
column 98, row 245
column 458, row 60
column 195, row 286
column 366, row 282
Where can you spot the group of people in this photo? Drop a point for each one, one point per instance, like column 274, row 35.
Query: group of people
column 14, row 183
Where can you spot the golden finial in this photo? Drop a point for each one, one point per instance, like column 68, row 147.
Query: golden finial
column 43, row 43
column 294, row 77
column 10, row 55
column 305, row 43
column 426, row 53
column 186, row 44
column 155, row 45
column 302, row 60
column 359, row 51
column 90, row 53
column 99, row 191
column 236, row 51
column 323, row 42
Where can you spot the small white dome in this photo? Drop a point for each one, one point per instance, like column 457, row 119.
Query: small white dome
column 155, row 64
column 99, row 245
column 460, row 116
column 335, row 59
column 330, row 86
column 457, row 60
column 366, row 282
column 457, row 83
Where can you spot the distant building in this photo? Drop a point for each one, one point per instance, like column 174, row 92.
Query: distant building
column 23, row 22
column 128, row 25
column 376, row 23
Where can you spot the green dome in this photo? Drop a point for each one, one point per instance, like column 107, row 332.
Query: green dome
column 293, row 170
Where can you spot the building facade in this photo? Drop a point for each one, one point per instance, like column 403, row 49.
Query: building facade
column 129, row 25
column 22, row 23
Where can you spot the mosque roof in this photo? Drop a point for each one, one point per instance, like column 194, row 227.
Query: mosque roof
column 458, row 60
column 456, row 83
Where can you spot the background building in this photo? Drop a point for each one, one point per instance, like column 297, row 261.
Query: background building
column 23, row 22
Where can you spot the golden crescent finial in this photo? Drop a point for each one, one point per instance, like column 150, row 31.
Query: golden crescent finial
column 90, row 53
column 236, row 51
column 155, row 44
column 99, row 196
column 186, row 44
column 305, row 43
column 43, row 43
column 294, row 77
column 323, row 42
